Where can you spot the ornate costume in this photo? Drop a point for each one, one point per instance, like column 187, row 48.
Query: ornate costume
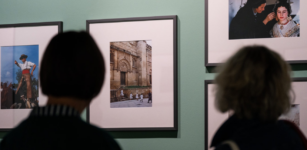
column 291, row 29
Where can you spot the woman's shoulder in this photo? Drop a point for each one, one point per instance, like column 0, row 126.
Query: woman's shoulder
column 294, row 29
column 275, row 26
column 274, row 31
column 267, row 134
column 292, row 132
column 243, row 14
column 288, row 127
column 294, row 24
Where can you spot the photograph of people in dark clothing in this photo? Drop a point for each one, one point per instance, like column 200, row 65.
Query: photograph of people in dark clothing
column 250, row 19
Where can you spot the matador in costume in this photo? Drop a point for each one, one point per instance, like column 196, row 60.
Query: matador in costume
column 26, row 76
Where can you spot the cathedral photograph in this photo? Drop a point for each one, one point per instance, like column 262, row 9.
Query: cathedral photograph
column 131, row 74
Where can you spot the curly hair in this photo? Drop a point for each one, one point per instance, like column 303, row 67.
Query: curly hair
column 283, row 4
column 255, row 83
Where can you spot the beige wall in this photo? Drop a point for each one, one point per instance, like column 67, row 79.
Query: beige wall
column 133, row 58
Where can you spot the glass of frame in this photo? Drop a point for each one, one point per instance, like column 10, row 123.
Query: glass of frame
column 220, row 24
column 214, row 119
column 21, row 50
column 140, row 88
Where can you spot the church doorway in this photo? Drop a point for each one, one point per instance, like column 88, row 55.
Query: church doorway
column 122, row 78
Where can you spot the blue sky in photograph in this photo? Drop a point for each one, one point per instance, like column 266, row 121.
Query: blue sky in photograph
column 11, row 53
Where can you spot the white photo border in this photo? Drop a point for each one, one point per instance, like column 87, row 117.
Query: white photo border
column 220, row 118
column 218, row 47
column 143, row 28
column 25, row 34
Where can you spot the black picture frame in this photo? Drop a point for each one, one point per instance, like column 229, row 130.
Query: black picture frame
column 207, row 82
column 35, row 24
column 58, row 23
column 207, row 64
column 175, row 77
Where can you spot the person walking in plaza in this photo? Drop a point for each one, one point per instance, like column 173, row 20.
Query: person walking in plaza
column 149, row 97
column 137, row 97
column 58, row 125
column 141, row 98
column 131, row 96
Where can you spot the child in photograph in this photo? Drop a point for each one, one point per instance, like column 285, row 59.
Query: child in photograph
column 26, row 76
column 137, row 97
column 285, row 27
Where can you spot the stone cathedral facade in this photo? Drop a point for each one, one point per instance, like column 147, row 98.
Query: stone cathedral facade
column 130, row 69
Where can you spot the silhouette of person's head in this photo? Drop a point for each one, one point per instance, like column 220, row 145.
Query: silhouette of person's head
column 255, row 83
column 72, row 66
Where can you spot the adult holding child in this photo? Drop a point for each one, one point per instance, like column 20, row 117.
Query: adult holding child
column 248, row 24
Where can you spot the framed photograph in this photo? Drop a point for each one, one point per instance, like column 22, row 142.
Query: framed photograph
column 233, row 24
column 21, row 50
column 214, row 119
column 140, row 88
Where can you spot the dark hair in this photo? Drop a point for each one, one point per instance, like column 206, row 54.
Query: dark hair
column 283, row 4
column 254, row 3
column 255, row 83
column 23, row 56
column 72, row 66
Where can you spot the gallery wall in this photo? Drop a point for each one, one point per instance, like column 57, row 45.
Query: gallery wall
column 191, row 69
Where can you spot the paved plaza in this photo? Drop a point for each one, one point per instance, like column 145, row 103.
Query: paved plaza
column 131, row 103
